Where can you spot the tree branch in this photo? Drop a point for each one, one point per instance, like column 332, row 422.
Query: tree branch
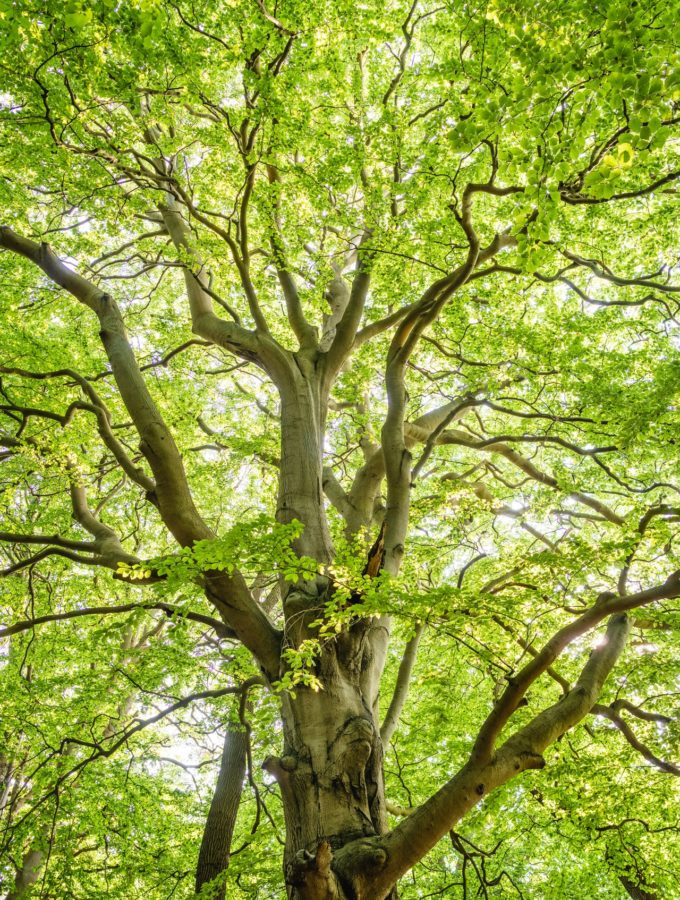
column 401, row 688
column 302, row 329
column 170, row 610
column 540, row 663
column 609, row 712
column 229, row 592
column 395, row 853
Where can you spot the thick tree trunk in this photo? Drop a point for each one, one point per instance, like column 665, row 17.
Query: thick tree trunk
column 330, row 772
column 213, row 857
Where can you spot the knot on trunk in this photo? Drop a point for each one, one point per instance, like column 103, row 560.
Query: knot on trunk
column 303, row 602
column 358, row 864
column 311, row 873
column 528, row 759
column 350, row 753
column 280, row 766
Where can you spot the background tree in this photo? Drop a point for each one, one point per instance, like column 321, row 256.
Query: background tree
column 339, row 355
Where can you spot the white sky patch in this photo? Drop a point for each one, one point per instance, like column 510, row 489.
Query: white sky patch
column 182, row 757
column 8, row 102
column 643, row 649
column 139, row 341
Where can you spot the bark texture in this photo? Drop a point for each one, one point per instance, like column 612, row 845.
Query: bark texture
column 213, row 856
column 331, row 771
column 635, row 890
column 28, row 874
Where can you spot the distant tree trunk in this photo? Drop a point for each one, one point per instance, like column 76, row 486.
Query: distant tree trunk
column 213, row 856
column 635, row 890
column 28, row 874
column 634, row 882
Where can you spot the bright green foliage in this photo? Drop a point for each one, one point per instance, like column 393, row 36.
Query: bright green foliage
column 564, row 346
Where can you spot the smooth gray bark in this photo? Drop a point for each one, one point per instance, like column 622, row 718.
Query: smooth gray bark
column 28, row 874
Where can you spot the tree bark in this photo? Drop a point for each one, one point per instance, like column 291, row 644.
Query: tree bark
column 28, row 874
column 635, row 890
column 303, row 423
column 330, row 773
column 213, row 856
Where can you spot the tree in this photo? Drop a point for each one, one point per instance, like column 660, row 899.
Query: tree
column 333, row 333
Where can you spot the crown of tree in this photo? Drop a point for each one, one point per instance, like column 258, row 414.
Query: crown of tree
column 339, row 449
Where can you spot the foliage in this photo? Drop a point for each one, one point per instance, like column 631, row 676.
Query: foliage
column 322, row 143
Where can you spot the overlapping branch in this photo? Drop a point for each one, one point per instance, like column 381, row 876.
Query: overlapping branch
column 175, row 502
column 610, row 712
column 168, row 608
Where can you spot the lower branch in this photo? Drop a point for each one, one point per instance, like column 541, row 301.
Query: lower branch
column 401, row 688
column 167, row 608
column 379, row 862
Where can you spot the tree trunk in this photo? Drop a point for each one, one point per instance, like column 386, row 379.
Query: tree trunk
column 303, row 422
column 213, row 857
column 634, row 890
column 330, row 772
column 28, row 874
